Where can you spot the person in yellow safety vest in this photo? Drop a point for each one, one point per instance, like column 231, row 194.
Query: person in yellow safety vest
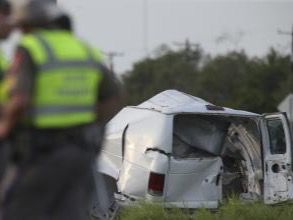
column 57, row 109
column 5, row 30
column 3, row 63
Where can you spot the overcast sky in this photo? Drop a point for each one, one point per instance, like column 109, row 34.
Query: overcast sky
column 135, row 27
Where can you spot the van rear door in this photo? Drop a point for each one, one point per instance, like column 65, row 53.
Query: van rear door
column 195, row 167
column 194, row 182
column 276, row 138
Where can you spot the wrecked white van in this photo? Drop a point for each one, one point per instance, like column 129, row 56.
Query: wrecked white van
column 183, row 151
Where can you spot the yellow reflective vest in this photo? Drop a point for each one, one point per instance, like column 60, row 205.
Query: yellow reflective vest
column 67, row 81
column 3, row 68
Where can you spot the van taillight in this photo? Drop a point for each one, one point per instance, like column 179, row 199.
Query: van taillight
column 156, row 184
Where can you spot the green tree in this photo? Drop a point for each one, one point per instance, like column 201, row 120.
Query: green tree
column 222, row 79
column 234, row 80
column 268, row 82
column 170, row 70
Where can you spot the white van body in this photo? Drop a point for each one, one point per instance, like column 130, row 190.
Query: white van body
column 183, row 151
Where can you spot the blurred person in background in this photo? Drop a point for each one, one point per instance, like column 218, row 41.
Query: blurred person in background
column 5, row 30
column 62, row 98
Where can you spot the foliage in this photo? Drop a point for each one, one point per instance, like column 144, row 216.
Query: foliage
column 149, row 211
column 176, row 70
column 232, row 210
column 234, row 80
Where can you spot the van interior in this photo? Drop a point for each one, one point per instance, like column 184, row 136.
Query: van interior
column 236, row 139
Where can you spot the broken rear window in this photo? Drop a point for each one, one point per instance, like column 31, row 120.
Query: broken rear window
column 198, row 135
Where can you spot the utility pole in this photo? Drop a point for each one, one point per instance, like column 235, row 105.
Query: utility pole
column 290, row 34
column 289, row 98
column 192, row 51
column 111, row 55
column 145, row 27
column 187, row 45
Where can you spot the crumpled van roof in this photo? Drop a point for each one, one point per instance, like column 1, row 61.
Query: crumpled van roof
column 173, row 101
column 169, row 102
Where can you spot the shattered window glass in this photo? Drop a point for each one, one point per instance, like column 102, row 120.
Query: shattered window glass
column 198, row 135
column 181, row 149
column 277, row 136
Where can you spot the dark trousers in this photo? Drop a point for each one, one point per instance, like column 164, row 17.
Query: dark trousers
column 4, row 158
column 55, row 182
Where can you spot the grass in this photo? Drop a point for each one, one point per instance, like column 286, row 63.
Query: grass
column 232, row 210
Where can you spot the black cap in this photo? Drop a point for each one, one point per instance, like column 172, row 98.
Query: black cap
column 4, row 6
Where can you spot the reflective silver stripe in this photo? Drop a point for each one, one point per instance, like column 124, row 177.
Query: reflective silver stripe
column 68, row 64
column 53, row 110
column 46, row 47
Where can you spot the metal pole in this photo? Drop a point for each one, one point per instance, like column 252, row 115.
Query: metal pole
column 291, row 68
column 291, row 35
column 111, row 55
column 145, row 27
column 291, row 50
